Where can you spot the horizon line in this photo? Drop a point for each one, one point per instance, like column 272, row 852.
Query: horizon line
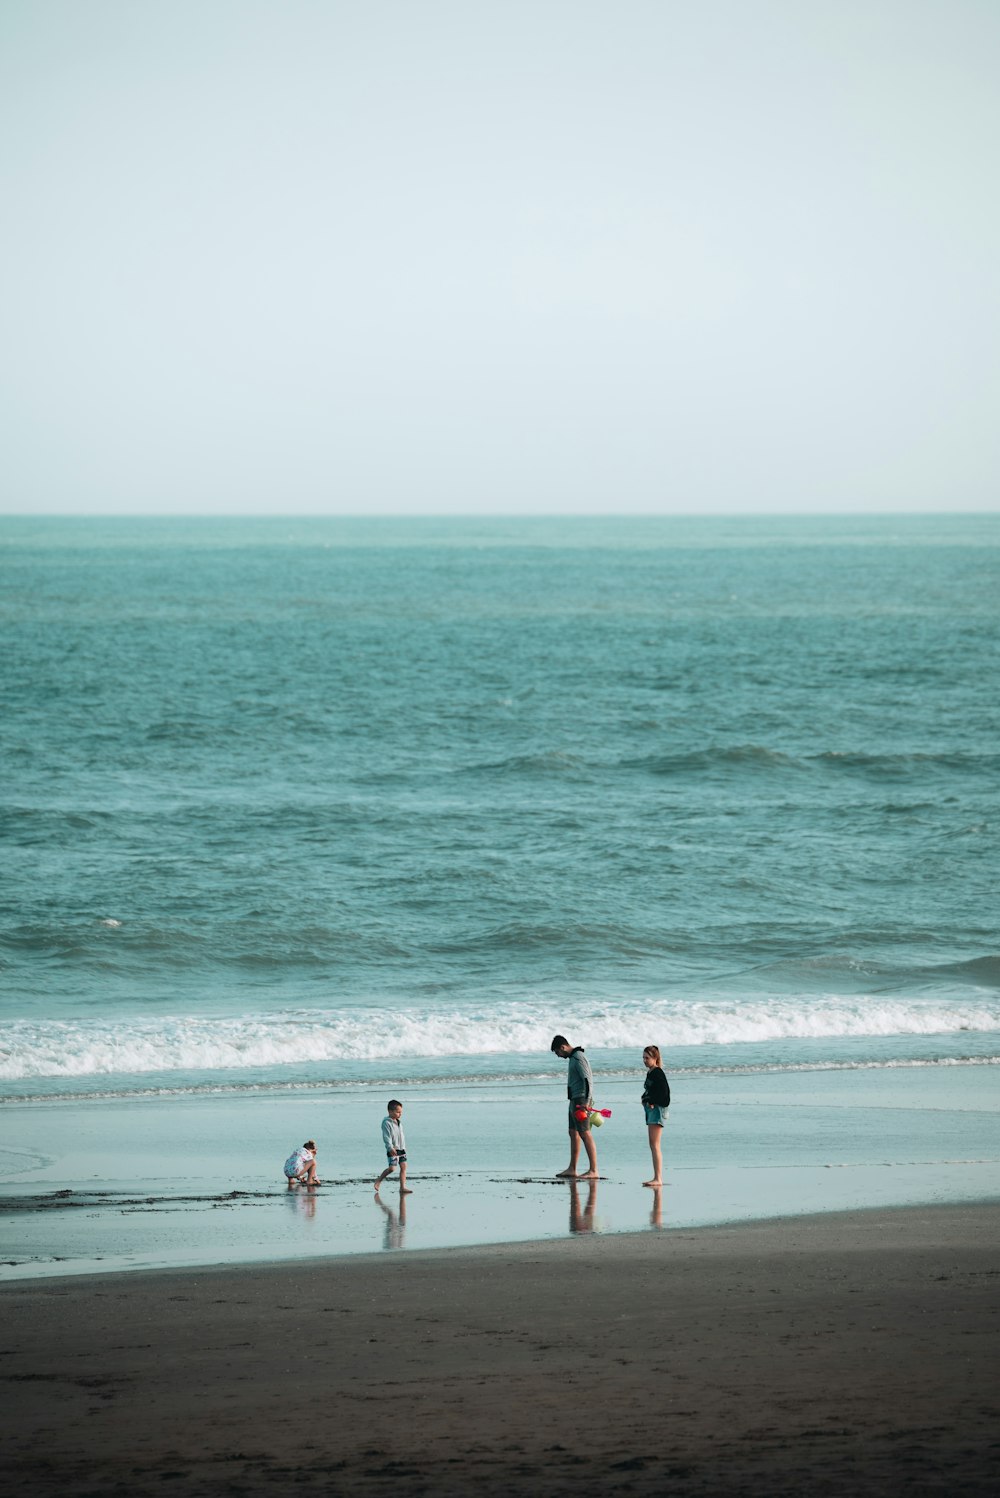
column 498, row 515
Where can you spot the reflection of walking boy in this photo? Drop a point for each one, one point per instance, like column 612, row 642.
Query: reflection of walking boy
column 395, row 1146
column 580, row 1091
column 395, row 1226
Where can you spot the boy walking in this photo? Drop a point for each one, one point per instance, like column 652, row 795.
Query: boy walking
column 395, row 1146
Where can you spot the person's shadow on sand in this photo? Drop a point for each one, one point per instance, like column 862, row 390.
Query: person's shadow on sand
column 581, row 1219
column 395, row 1223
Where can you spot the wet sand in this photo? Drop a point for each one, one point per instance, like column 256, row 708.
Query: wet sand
column 482, row 1160
column 844, row 1353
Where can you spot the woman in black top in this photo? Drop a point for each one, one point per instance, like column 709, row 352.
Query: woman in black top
column 655, row 1102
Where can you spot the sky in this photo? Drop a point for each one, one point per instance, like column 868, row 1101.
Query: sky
column 499, row 256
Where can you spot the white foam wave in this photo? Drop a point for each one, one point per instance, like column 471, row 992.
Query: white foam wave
column 190, row 1044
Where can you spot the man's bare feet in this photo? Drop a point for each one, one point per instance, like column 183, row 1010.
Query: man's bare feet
column 589, row 1175
column 566, row 1175
column 652, row 1183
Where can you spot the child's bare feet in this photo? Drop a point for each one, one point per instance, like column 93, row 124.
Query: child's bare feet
column 566, row 1175
column 652, row 1183
column 405, row 1191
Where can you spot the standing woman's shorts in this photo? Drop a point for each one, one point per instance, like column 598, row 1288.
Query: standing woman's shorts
column 656, row 1116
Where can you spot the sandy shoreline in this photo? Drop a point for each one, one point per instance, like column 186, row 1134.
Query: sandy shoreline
column 849, row 1352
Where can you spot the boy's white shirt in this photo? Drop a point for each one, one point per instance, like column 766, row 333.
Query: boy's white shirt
column 392, row 1134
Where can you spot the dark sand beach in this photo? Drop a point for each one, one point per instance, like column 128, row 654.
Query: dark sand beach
column 844, row 1353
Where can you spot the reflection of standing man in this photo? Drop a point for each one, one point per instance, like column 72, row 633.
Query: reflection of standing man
column 581, row 1219
column 580, row 1091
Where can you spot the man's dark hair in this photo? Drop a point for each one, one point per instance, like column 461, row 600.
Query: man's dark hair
column 557, row 1041
column 394, row 1103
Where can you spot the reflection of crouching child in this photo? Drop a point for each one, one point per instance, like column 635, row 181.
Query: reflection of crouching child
column 301, row 1165
column 395, row 1147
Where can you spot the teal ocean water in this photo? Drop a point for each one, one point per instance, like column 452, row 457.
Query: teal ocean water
column 302, row 803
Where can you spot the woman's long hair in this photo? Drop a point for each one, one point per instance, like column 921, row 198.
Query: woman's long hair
column 654, row 1051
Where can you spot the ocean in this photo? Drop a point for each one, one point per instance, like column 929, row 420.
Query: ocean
column 313, row 803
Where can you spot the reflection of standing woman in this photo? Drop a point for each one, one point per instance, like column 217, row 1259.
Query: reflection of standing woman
column 655, row 1102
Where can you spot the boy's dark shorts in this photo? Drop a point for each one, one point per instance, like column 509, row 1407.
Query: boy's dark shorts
column 399, row 1158
column 578, row 1125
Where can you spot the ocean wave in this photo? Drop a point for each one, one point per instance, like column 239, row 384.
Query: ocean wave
column 184, row 1043
column 576, row 936
column 735, row 757
column 107, row 941
column 982, row 970
column 894, row 766
column 844, row 967
column 759, row 758
column 557, row 762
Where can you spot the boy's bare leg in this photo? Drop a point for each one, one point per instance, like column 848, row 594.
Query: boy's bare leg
column 574, row 1154
column 591, row 1148
column 387, row 1172
column 402, row 1181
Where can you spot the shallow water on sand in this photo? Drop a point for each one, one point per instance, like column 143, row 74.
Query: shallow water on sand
column 129, row 1184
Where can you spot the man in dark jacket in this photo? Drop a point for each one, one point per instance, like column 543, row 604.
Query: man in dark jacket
column 580, row 1091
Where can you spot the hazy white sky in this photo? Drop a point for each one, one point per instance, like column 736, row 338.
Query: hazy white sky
column 467, row 256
